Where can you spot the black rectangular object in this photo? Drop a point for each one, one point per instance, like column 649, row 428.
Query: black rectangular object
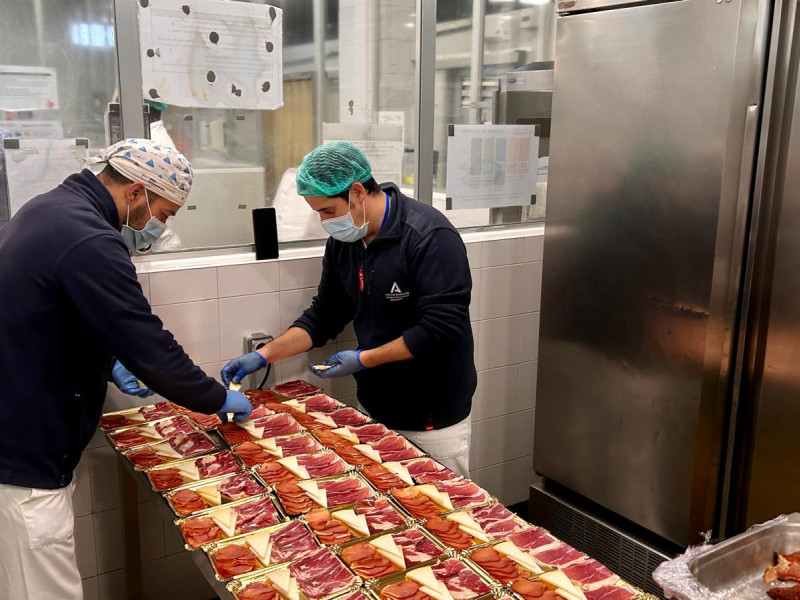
column 265, row 233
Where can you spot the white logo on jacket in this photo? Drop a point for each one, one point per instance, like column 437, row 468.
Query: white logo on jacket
column 395, row 293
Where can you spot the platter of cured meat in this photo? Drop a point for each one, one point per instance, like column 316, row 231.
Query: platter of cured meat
column 447, row 578
column 302, row 466
column 389, row 553
column 136, row 416
column 301, row 497
column 185, row 445
column 194, row 497
column 175, row 474
column 366, row 518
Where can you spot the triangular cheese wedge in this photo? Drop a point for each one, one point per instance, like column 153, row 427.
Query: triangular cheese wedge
column 282, row 581
column 225, row 519
column 518, row 556
column 270, row 446
column 165, row 450
column 320, row 417
column 136, row 417
column 251, row 428
column 210, row 494
column 369, row 452
column 430, row 585
column 295, row 405
column 189, row 471
column 291, row 464
column 357, row 523
column 149, row 431
column 400, row 470
column 440, row 498
column 314, row 492
column 558, row 579
column 261, row 545
column 345, row 433
column 389, row 549
column 469, row 526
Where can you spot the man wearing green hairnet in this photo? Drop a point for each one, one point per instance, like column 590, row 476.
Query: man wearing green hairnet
column 398, row 270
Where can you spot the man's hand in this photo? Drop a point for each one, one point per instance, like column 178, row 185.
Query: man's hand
column 341, row 364
column 241, row 367
column 127, row 382
column 237, row 404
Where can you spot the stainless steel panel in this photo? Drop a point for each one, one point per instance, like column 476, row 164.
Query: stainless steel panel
column 654, row 119
column 571, row 6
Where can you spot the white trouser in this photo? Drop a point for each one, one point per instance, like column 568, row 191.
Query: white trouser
column 37, row 547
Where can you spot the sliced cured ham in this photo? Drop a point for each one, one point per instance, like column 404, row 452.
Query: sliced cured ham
column 380, row 514
column 257, row 591
column 318, row 403
column 118, row 421
column 323, row 464
column 133, row 437
column 610, row 592
column 559, row 556
column 405, row 590
column 240, row 486
column 394, row 448
column 292, row 542
column 531, row 538
column 186, row 502
column 329, row 531
column 589, row 573
column 345, row 490
column 275, row 425
column 255, row 515
column 275, row 472
column 293, row 389
column 298, row 444
column 427, row 470
column 497, row 521
column 462, row 492
column 146, row 457
column 381, row 478
column 461, row 582
column 416, row 503
column 449, row 532
column 354, row 595
column 327, row 438
column 174, row 426
column 370, row 432
column 203, row 421
column 200, row 531
column 416, row 547
column 191, row 444
column 503, row 569
column 217, row 464
column 159, row 410
column 321, row 574
column 348, row 416
column 364, row 560
column 235, row 560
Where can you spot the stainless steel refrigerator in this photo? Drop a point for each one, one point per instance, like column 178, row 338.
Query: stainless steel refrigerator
column 669, row 367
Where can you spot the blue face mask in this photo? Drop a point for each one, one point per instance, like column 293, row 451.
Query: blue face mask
column 139, row 239
column 344, row 228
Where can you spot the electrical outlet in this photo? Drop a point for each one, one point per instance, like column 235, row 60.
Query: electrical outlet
column 254, row 341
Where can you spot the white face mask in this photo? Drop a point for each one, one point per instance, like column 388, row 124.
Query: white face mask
column 139, row 239
column 344, row 228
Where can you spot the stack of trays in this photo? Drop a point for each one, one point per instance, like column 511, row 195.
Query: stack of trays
column 310, row 499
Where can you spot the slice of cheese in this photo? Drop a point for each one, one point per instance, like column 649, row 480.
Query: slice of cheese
column 469, row 526
column 136, row 417
column 558, row 579
column 189, row 471
column 430, row 585
column 399, row 470
column 320, row 417
column 150, row 431
column 369, row 452
column 225, row 519
column 270, row 446
column 345, row 433
column 210, row 494
column 357, row 523
column 261, row 545
column 165, row 450
column 283, row 581
column 518, row 556
column 235, row 386
column 440, row 498
column 389, row 549
column 314, row 492
column 291, row 464
column 251, row 428
column 296, row 405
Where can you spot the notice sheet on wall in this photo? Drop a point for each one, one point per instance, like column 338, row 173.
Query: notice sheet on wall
column 27, row 88
column 383, row 145
column 35, row 166
column 32, row 129
column 210, row 53
column 491, row 165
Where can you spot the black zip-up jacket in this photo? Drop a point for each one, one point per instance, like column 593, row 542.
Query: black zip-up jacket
column 69, row 301
column 417, row 285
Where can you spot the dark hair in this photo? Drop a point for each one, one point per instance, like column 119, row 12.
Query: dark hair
column 370, row 185
column 114, row 176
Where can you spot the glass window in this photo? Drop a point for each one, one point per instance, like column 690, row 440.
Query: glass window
column 76, row 40
column 518, row 48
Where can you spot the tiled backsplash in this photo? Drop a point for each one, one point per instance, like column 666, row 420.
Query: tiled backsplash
column 210, row 310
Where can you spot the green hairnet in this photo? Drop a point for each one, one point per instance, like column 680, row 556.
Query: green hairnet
column 331, row 169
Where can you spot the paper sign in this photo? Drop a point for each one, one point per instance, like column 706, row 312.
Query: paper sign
column 491, row 165
column 27, row 88
column 383, row 145
column 32, row 129
column 210, row 53
column 36, row 166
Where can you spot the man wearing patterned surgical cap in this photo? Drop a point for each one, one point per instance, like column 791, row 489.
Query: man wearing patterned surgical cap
column 72, row 313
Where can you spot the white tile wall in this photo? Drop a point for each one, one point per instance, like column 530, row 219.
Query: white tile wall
column 209, row 311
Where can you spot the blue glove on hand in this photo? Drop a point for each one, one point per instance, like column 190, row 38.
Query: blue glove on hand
column 241, row 367
column 236, row 403
column 127, row 382
column 341, row 364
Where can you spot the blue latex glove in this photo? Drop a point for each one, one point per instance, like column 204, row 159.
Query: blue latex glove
column 236, row 403
column 341, row 364
column 241, row 367
column 127, row 382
